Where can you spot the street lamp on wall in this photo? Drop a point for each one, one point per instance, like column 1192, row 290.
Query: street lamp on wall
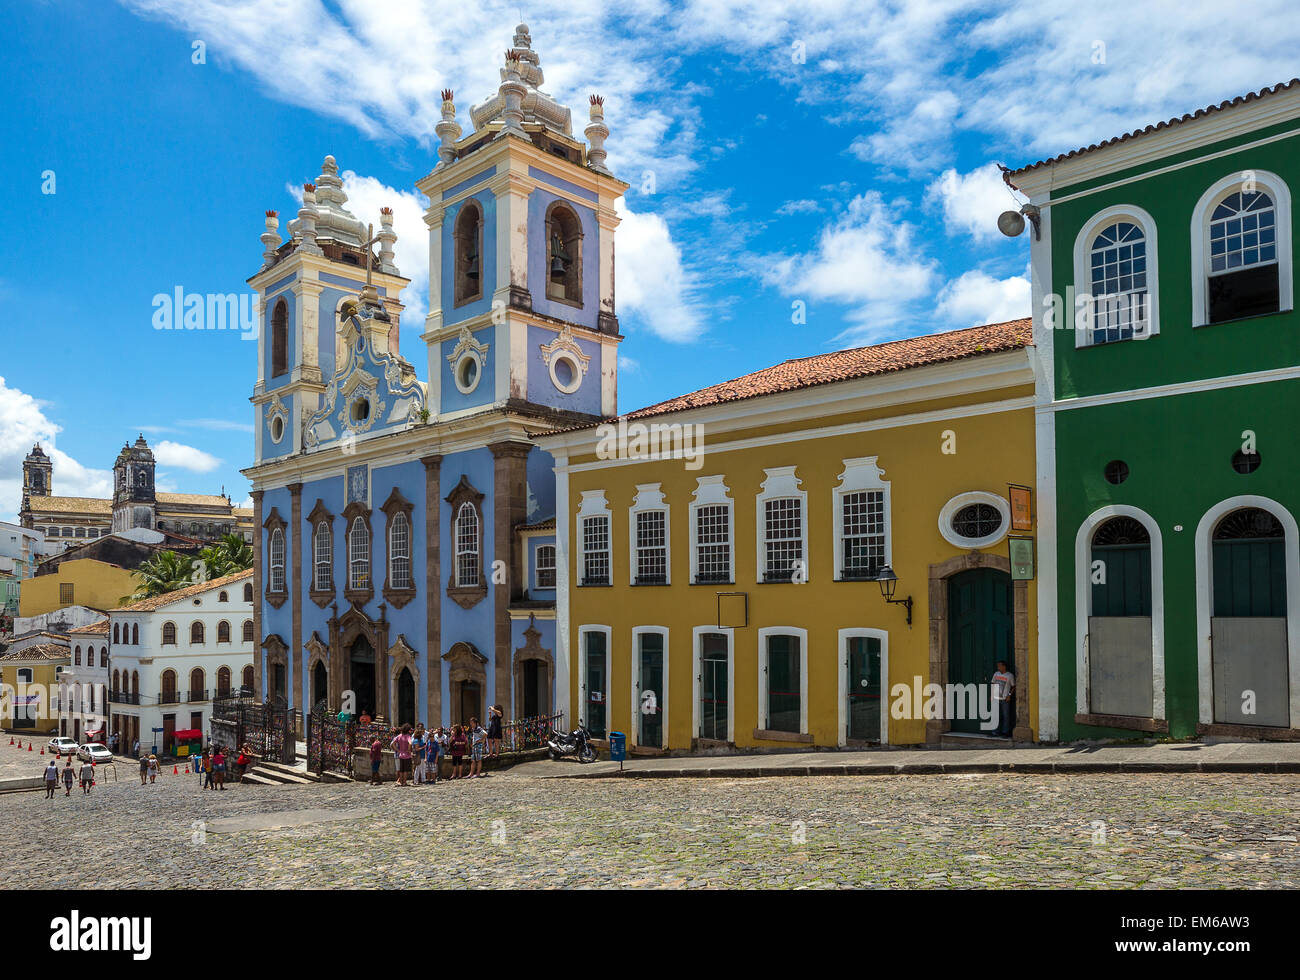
column 888, row 583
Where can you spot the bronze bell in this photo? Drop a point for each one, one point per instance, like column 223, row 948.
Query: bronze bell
column 471, row 266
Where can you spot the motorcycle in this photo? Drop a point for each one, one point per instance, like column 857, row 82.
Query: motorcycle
column 576, row 743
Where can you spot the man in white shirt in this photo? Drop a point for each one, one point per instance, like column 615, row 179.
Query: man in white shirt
column 1004, row 689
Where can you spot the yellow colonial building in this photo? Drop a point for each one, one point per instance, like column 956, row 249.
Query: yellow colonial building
column 816, row 554
column 79, row 582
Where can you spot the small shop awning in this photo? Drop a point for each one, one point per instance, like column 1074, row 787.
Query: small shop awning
column 97, row 733
column 188, row 734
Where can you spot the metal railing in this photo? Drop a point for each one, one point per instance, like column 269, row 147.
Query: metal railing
column 123, row 697
column 522, row 734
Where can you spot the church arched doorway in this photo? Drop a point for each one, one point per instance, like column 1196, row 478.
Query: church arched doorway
column 405, row 697
column 361, row 675
column 319, row 683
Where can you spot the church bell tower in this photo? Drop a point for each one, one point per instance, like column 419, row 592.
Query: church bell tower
column 134, row 502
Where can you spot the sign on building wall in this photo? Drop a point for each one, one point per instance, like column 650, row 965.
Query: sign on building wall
column 1022, row 507
column 1022, row 558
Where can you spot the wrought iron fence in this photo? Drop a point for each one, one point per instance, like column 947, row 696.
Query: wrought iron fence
column 523, row 734
column 330, row 741
column 266, row 728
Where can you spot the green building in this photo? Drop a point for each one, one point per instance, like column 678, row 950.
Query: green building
column 1168, row 405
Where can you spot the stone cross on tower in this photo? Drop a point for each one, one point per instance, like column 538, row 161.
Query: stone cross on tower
column 369, row 295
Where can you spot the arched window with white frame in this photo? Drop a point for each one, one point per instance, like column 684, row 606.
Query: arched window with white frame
column 399, row 552
column 467, row 545
column 276, row 549
column 322, row 547
column 1115, row 277
column 359, row 555
column 1241, row 249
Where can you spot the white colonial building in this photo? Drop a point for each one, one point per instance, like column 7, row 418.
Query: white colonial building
column 172, row 654
column 83, row 685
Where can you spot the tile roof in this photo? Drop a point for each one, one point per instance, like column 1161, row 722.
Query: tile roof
column 158, row 601
column 71, row 505
column 1177, row 120
column 39, row 651
column 193, row 499
column 547, row 524
column 845, row 365
column 100, row 627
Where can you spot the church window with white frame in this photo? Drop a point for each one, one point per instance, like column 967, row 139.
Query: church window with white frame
column 861, row 508
column 399, row 552
column 649, row 530
column 276, row 549
column 322, row 546
column 782, row 527
column 359, row 555
column 467, row 558
column 594, row 538
column 712, row 533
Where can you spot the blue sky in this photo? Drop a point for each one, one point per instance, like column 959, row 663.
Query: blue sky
column 837, row 154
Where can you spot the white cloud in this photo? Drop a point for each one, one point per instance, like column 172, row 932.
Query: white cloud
column 169, row 453
column 651, row 281
column 866, row 257
column 23, row 423
column 801, row 206
column 217, row 425
column 245, row 504
column 975, row 298
column 972, row 202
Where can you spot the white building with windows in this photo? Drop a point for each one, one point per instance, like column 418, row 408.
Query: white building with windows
column 172, row 654
column 83, row 685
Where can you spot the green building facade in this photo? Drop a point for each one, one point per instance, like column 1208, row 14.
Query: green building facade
column 1168, row 411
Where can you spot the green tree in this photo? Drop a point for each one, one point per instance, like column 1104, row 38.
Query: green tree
column 164, row 572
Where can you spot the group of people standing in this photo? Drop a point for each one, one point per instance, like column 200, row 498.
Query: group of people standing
column 53, row 775
column 419, row 753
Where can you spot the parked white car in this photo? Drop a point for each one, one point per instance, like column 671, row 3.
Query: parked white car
column 94, row 752
column 62, row 745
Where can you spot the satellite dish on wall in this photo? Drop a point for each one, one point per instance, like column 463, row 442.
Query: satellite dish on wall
column 1011, row 223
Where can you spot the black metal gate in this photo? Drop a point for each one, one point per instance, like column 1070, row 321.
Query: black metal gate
column 266, row 728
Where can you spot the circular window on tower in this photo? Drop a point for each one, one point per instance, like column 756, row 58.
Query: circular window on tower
column 1244, row 462
column 277, row 429
column 360, row 411
column 566, row 374
column 1116, row 471
column 468, row 371
column 974, row 520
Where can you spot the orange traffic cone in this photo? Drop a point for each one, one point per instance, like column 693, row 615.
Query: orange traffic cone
column 42, row 749
column 175, row 771
column 11, row 740
column 29, row 748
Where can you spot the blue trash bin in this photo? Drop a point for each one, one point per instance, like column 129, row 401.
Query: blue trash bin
column 617, row 746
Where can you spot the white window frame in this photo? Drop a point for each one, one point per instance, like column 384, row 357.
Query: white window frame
column 780, row 481
column 764, row 632
column 554, row 567
column 276, row 562
column 582, row 671
column 964, row 500
column 399, row 520
column 1276, row 188
column 649, row 498
column 322, row 558
column 859, row 475
column 356, row 558
column 867, row 633
column 711, row 491
column 637, row 631
column 593, row 504
column 697, row 664
column 1082, row 316
column 459, row 552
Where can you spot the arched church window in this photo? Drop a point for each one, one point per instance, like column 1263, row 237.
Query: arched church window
column 277, row 560
column 359, row 555
column 467, row 560
column 399, row 552
column 280, row 339
column 563, row 254
column 468, row 237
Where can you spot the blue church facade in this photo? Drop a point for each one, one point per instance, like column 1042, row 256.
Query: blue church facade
column 408, row 554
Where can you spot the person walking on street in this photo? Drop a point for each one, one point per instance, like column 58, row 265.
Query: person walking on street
column 153, row 769
column 438, row 750
column 144, row 770
column 87, row 777
column 207, row 769
column 420, row 748
column 477, row 745
column 51, row 779
column 68, row 778
column 219, row 768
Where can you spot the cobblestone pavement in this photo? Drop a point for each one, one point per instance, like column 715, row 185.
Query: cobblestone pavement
column 975, row 831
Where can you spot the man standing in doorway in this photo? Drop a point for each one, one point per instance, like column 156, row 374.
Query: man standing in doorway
column 1004, row 690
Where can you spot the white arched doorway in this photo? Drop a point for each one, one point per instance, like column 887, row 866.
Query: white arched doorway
column 1096, row 656
column 1248, row 623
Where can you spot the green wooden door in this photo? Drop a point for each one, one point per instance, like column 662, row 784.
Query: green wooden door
column 783, row 684
column 714, row 708
column 864, row 688
column 979, row 632
column 597, row 688
column 650, row 690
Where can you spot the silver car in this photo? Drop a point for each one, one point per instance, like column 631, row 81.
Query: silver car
column 94, row 752
column 62, row 745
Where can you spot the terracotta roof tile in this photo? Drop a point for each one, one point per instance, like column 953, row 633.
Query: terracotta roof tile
column 1010, row 175
column 100, row 627
column 70, row 505
column 158, row 601
column 858, row 362
column 194, row 499
column 39, row 651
